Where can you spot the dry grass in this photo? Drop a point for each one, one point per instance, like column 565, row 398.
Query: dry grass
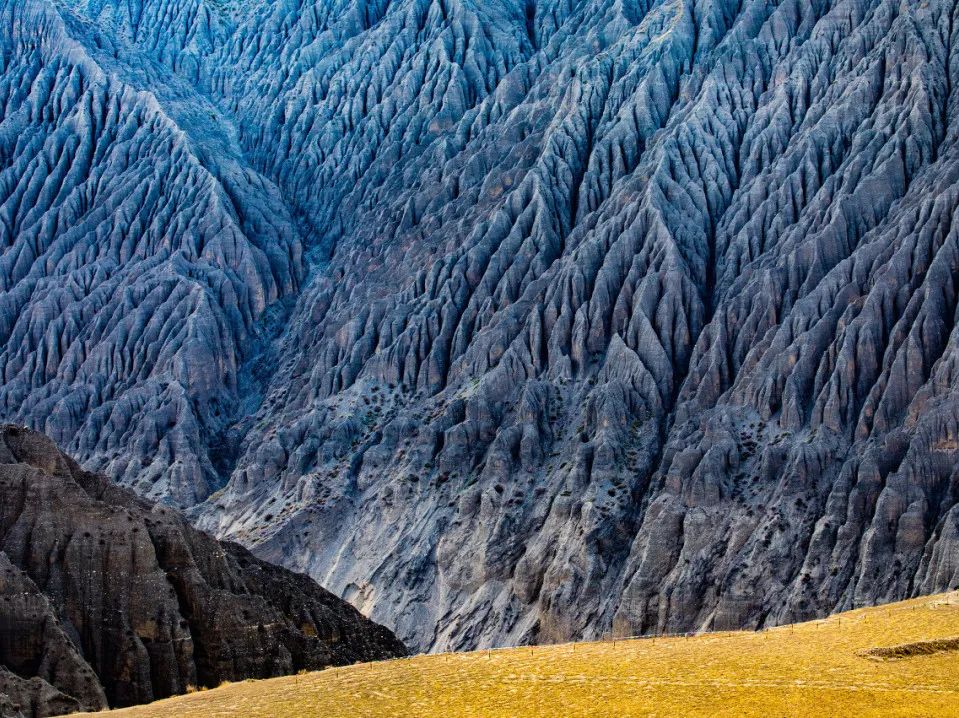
column 811, row 669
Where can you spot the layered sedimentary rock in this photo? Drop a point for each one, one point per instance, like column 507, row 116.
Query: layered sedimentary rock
column 105, row 600
column 508, row 321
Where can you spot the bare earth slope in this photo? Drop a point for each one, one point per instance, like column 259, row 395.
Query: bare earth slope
column 507, row 321
column 803, row 671
column 107, row 600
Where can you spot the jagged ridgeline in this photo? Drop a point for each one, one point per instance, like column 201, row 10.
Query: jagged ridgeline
column 505, row 320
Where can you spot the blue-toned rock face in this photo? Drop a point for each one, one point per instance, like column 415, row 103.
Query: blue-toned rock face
column 508, row 321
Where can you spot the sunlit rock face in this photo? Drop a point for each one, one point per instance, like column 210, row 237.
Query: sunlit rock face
column 507, row 321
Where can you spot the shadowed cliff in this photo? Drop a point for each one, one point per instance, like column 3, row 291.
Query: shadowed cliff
column 105, row 600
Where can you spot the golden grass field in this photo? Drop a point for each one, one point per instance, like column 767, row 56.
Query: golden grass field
column 810, row 669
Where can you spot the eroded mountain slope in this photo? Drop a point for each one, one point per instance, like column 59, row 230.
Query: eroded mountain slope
column 625, row 316
column 107, row 600
column 138, row 255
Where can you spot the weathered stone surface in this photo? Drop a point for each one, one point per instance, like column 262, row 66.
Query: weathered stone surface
column 41, row 668
column 107, row 600
column 506, row 321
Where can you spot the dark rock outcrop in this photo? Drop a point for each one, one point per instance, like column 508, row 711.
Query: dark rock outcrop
column 505, row 320
column 106, row 600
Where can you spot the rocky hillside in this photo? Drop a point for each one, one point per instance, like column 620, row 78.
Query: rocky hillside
column 105, row 600
column 507, row 320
